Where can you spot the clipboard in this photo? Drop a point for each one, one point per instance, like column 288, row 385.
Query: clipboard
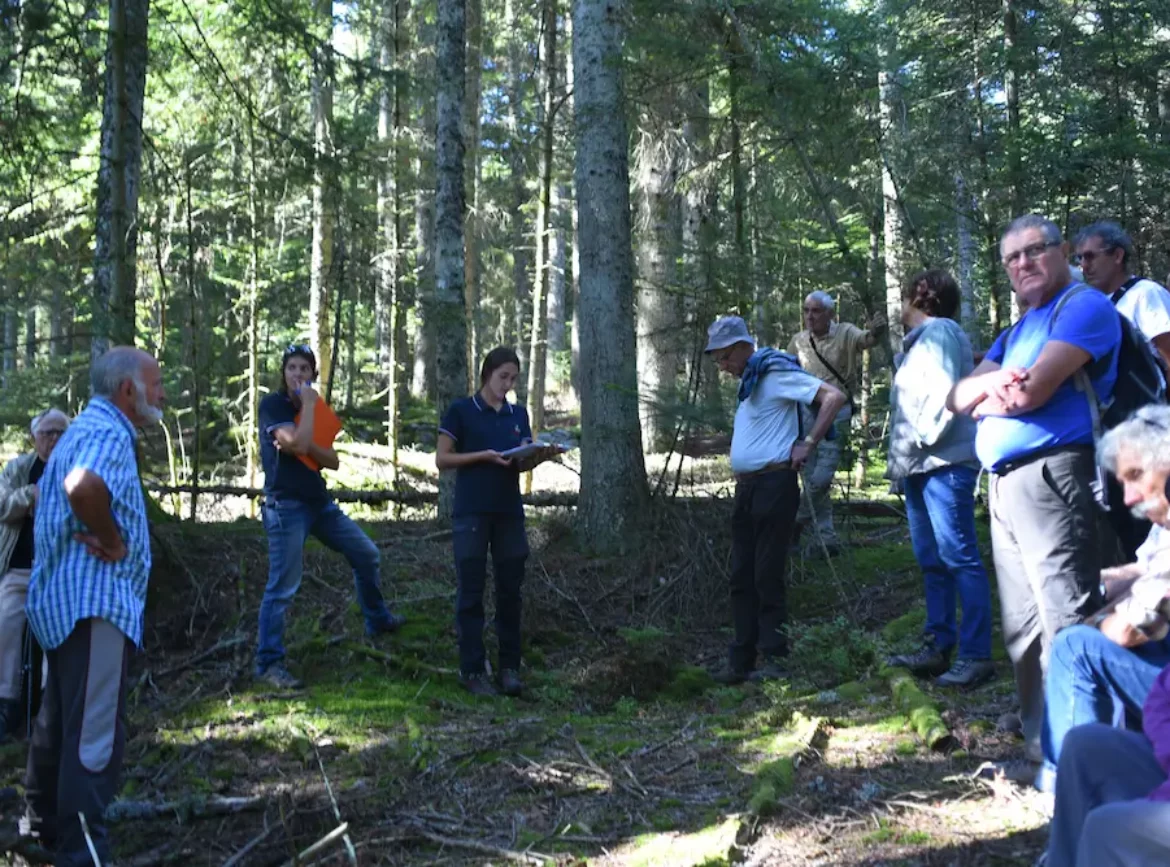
column 326, row 427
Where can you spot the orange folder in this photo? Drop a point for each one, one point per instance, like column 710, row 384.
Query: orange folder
column 326, row 427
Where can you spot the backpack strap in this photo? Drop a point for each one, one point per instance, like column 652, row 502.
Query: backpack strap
column 1125, row 287
column 1081, row 380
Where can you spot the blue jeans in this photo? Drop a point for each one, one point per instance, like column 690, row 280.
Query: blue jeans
column 288, row 524
column 473, row 535
column 1093, row 680
column 941, row 509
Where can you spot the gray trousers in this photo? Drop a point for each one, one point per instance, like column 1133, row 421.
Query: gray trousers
column 1102, row 817
column 13, row 591
column 1044, row 536
column 816, row 503
column 75, row 755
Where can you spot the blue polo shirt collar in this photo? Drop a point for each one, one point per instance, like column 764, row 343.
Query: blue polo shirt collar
column 483, row 407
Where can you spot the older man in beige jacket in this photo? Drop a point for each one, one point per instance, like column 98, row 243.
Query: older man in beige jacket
column 18, row 499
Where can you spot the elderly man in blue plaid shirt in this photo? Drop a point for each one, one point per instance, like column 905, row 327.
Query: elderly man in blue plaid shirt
column 85, row 603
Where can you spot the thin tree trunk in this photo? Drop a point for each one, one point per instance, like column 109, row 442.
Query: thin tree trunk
column 57, row 321
column 423, row 379
column 387, row 258
column 517, row 309
column 574, row 277
column 538, row 356
column 30, row 338
column 964, row 206
column 324, row 216
column 116, row 226
column 473, row 268
column 558, row 263
column 193, row 328
column 894, row 230
column 738, row 182
column 451, row 331
column 251, row 438
column 862, row 432
column 1011, row 91
column 613, row 472
column 660, row 225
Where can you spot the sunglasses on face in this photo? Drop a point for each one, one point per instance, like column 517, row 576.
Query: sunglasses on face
column 1086, row 257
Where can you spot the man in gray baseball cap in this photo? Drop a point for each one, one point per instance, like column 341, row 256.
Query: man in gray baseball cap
column 768, row 447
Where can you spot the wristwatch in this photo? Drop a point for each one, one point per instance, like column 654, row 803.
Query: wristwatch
column 810, row 442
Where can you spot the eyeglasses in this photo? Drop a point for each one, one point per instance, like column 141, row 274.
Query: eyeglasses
column 1088, row 256
column 721, row 355
column 50, row 434
column 1032, row 252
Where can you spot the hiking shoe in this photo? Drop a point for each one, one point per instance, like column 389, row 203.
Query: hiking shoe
column 927, row 661
column 280, row 677
column 396, row 622
column 1020, row 771
column 510, row 682
column 772, row 669
column 478, row 684
column 1010, row 724
column 731, row 676
column 968, row 673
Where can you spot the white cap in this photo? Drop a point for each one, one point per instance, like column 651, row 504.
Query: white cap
column 727, row 331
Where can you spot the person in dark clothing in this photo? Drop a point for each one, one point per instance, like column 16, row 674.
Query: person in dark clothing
column 18, row 499
column 297, row 505
column 487, row 514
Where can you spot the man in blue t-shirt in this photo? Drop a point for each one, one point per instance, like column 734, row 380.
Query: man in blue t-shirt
column 1035, row 437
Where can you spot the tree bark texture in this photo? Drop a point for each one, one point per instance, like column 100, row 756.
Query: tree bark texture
column 518, row 312
column 321, row 277
column 448, row 307
column 119, row 171
column 613, row 472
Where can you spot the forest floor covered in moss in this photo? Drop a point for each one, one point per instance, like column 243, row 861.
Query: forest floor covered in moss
column 622, row 752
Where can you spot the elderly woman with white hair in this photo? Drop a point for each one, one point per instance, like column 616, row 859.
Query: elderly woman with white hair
column 18, row 499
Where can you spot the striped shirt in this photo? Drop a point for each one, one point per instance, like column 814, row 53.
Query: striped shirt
column 68, row 583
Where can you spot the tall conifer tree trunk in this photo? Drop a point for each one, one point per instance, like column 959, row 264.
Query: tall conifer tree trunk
column 448, row 306
column 473, row 267
column 613, row 472
column 538, row 356
column 519, row 302
column 324, row 217
column 116, row 228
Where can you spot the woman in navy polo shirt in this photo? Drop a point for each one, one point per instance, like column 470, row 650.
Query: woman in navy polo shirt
column 297, row 505
column 488, row 513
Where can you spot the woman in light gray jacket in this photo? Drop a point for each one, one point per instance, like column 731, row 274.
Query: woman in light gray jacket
column 932, row 456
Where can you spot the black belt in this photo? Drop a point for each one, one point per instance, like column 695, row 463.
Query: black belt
column 1019, row 463
column 774, row 467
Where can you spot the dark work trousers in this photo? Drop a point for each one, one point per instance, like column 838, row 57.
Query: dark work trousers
column 1130, row 530
column 75, row 755
column 761, row 527
column 473, row 535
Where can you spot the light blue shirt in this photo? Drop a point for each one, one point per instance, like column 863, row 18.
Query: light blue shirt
column 68, row 583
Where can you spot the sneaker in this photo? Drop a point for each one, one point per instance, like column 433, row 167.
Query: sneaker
column 968, row 673
column 772, row 669
column 280, row 677
column 1020, row 771
column 510, row 682
column 731, row 675
column 927, row 661
column 478, row 684
column 396, row 622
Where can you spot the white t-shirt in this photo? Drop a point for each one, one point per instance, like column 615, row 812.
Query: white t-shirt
column 1154, row 554
column 765, row 423
column 1147, row 305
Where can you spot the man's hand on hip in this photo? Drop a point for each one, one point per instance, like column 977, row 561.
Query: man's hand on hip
column 801, row 452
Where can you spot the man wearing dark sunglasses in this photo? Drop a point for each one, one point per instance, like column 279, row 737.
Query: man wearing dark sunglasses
column 1106, row 257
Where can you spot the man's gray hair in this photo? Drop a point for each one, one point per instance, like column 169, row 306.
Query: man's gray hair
column 1033, row 221
column 1112, row 237
column 48, row 416
column 822, row 298
column 1146, row 433
column 115, row 366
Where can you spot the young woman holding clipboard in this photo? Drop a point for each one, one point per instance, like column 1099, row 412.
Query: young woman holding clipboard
column 476, row 435
column 297, row 429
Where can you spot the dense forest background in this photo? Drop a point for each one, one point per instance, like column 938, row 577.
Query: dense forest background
column 406, row 183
